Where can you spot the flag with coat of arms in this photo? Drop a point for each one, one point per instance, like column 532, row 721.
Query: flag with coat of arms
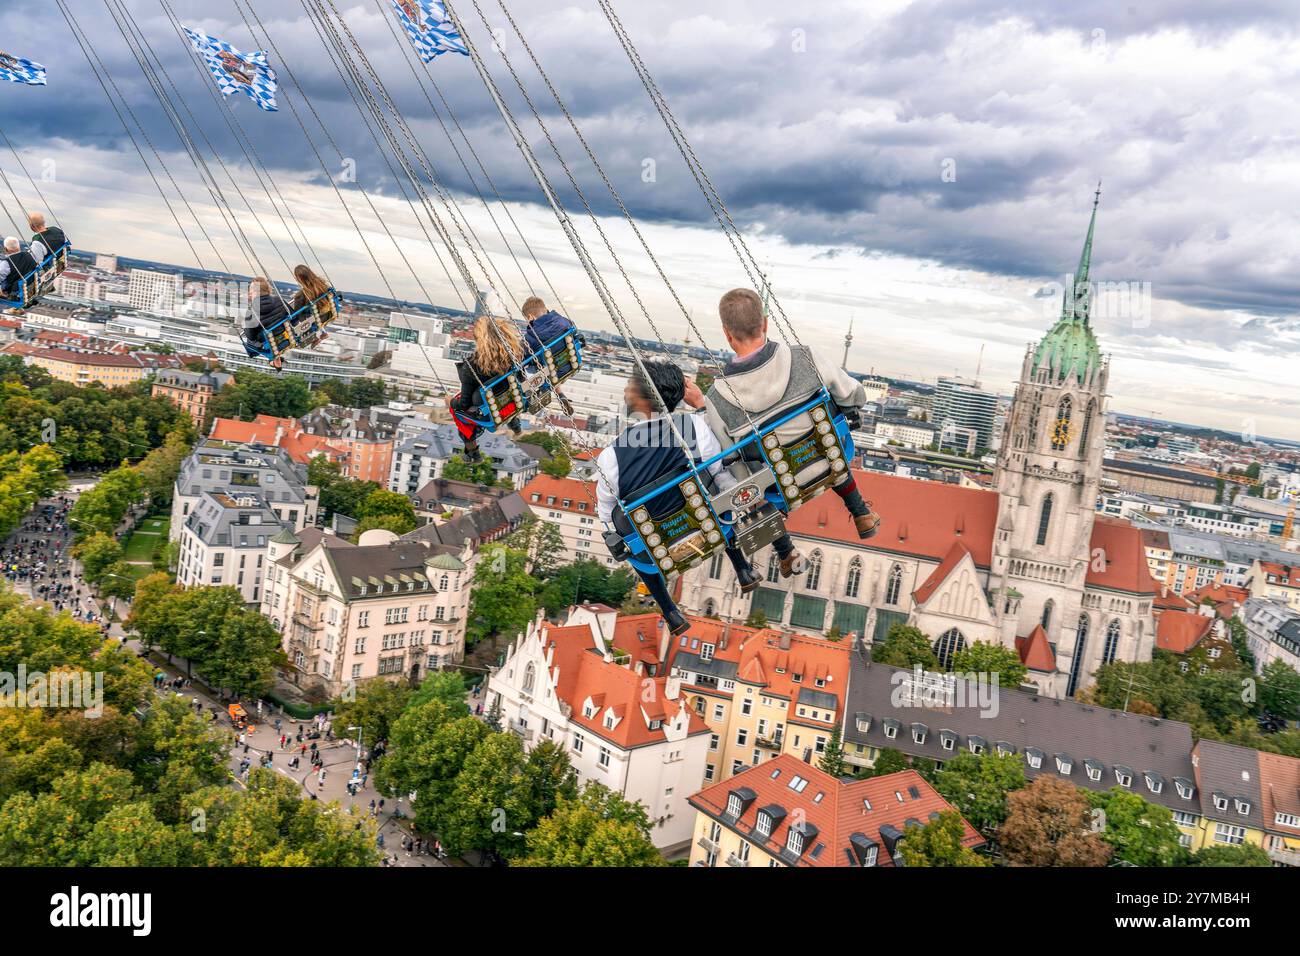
column 15, row 69
column 234, row 70
column 430, row 28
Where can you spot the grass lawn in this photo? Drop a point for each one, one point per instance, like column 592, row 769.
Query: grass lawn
column 140, row 544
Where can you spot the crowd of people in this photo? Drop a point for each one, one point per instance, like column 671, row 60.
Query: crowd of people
column 36, row 557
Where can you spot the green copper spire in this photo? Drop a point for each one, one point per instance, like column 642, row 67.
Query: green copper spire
column 1070, row 347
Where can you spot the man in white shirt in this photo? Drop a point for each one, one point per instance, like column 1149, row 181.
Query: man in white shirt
column 648, row 453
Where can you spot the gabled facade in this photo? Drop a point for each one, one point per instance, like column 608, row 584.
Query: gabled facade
column 621, row 727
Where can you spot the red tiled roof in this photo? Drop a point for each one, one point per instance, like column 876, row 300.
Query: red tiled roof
column 916, row 517
column 837, row 809
column 286, row 433
column 1036, row 652
column 1180, row 631
column 577, row 493
column 1285, row 573
column 1279, row 785
column 939, row 574
column 581, row 673
column 1167, row 598
column 1119, row 546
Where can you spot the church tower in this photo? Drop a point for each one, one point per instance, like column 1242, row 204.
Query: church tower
column 1047, row 477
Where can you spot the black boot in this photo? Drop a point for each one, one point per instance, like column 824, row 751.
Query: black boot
column 471, row 452
column 677, row 624
column 749, row 581
column 515, row 427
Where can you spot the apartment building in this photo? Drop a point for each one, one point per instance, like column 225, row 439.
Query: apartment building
column 241, row 470
column 419, row 460
column 1276, row 581
column 570, row 505
column 190, row 391
column 1248, row 796
column 81, row 368
column 386, row 607
column 1272, row 632
column 621, row 726
column 223, row 541
column 787, row 813
column 367, row 442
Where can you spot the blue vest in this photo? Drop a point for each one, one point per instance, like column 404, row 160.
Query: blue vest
column 647, row 453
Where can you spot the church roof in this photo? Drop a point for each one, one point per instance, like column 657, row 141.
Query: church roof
column 920, row 519
column 1036, row 651
column 940, row 574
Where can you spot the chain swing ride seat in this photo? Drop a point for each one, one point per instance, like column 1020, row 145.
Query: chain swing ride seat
column 528, row 386
column 300, row 329
column 40, row 281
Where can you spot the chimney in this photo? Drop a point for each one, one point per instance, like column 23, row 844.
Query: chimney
column 784, row 641
column 726, row 635
column 665, row 638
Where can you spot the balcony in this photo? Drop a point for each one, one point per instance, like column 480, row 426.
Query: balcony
column 1285, row 857
column 733, row 860
column 769, row 743
column 707, row 845
column 521, row 731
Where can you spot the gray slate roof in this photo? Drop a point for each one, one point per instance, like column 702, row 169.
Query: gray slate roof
column 1024, row 720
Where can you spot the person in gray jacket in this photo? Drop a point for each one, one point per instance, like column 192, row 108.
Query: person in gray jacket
column 766, row 379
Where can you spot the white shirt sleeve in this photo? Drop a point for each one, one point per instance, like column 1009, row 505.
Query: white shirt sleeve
column 706, row 442
column 4, row 269
column 38, row 251
column 606, row 485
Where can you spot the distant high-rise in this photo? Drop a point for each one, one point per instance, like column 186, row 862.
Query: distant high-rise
column 151, row 291
column 961, row 402
column 108, row 263
column 848, row 341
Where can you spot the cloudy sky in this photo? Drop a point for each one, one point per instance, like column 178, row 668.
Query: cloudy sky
column 924, row 170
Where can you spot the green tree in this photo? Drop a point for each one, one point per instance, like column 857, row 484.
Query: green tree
column 397, row 524
column 1279, row 690
column 1245, row 854
column 595, row 828
column 905, row 646
column 260, row 393
column 481, row 472
column 486, row 810
column 939, row 843
column 832, row 758
column 557, row 466
column 542, row 542
column 978, row 784
column 1140, row 833
column 583, row 581
column 504, row 595
column 97, row 553
column 373, row 705
column 889, row 760
column 985, row 658
column 446, row 686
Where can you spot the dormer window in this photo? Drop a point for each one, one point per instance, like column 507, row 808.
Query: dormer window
column 870, row 859
column 763, row 824
column 794, row 842
column 1155, row 782
column 588, row 710
column 863, row 722
column 609, row 721
column 891, row 728
column 1005, row 749
column 978, row 745
column 1063, row 764
column 1184, row 789
column 1243, row 806
column 1034, row 758
column 706, row 652
column 1093, row 769
column 1220, row 802
column 1123, row 777
column 947, row 740
column 734, row 805
column 919, row 732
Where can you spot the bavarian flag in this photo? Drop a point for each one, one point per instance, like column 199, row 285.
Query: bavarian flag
column 234, row 70
column 430, row 28
column 14, row 69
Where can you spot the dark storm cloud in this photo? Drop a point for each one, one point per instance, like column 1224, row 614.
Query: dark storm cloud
column 832, row 125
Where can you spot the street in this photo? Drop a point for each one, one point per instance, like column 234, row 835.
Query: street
column 37, row 564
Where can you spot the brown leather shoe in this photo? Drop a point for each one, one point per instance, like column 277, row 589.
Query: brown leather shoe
column 795, row 564
column 867, row 524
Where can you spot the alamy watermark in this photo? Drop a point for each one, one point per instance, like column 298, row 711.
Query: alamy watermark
column 935, row 691
column 72, row 690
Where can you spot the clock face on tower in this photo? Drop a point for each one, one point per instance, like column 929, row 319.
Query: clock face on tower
column 1061, row 434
